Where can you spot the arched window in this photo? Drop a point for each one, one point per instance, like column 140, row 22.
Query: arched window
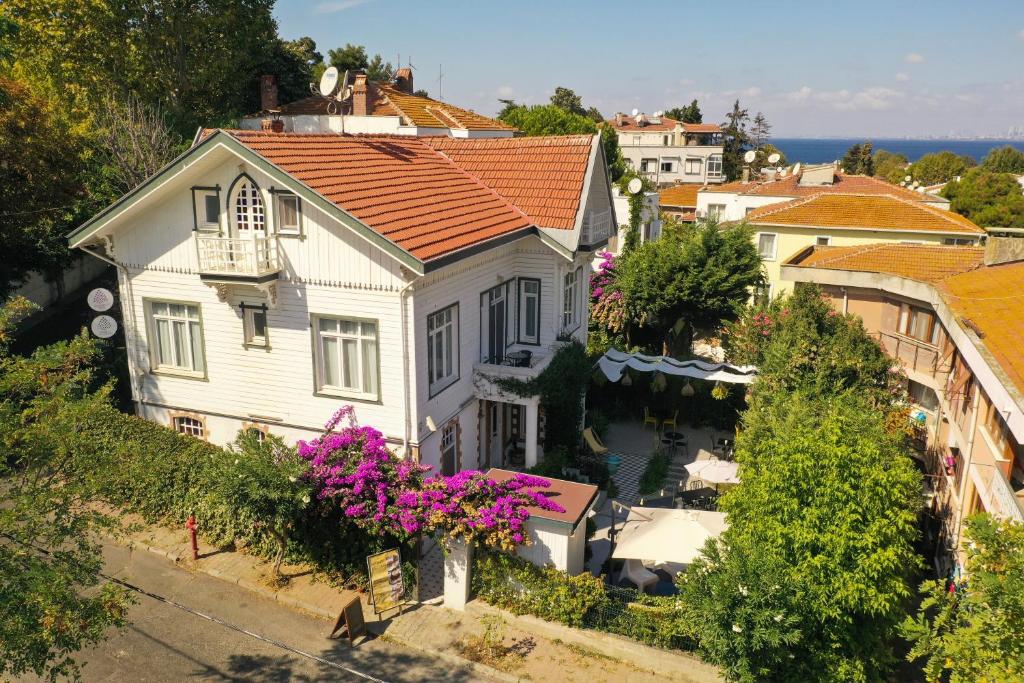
column 249, row 211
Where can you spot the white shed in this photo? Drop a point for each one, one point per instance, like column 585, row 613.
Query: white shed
column 557, row 538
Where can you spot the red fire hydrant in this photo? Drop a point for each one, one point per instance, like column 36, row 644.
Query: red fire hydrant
column 191, row 526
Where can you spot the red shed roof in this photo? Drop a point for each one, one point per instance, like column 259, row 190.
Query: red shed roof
column 576, row 498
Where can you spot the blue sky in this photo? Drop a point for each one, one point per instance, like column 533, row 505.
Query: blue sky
column 868, row 68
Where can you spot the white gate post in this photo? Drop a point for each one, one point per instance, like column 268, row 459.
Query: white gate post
column 458, row 563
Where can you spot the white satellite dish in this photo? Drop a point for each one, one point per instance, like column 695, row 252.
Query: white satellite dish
column 329, row 81
column 796, row 169
column 750, row 156
column 774, row 157
column 100, row 299
column 635, row 185
column 635, row 112
column 103, row 326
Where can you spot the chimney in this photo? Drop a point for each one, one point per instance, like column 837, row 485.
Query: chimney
column 403, row 80
column 619, row 119
column 364, row 96
column 268, row 93
column 746, row 174
column 271, row 125
column 1003, row 249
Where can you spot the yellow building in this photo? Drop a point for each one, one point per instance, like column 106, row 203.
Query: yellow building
column 841, row 220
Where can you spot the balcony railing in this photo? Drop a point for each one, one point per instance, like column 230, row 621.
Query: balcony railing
column 242, row 256
column 915, row 355
column 597, row 226
column 996, row 493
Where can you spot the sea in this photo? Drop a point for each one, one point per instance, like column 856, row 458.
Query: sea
column 824, row 150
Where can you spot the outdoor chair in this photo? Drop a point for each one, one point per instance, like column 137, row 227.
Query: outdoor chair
column 649, row 419
column 671, row 421
column 594, row 442
column 638, row 574
column 695, row 485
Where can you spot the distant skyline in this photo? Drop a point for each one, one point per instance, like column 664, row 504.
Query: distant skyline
column 867, row 69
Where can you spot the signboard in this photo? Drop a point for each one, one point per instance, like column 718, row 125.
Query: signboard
column 103, row 326
column 351, row 620
column 100, row 299
column 387, row 585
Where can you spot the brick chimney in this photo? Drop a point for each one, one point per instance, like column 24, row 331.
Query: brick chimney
column 403, row 80
column 268, row 93
column 364, row 96
column 271, row 125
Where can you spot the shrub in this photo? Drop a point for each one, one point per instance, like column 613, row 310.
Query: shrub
column 655, row 473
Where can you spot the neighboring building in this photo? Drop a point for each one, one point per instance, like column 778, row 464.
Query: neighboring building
column 951, row 315
column 269, row 278
column 834, row 219
column 376, row 108
column 680, row 201
column 732, row 201
column 650, row 219
column 669, row 151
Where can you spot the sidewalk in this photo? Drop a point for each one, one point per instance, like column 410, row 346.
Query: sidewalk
column 528, row 648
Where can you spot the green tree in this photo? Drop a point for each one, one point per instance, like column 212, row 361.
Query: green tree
column 686, row 280
column 976, row 634
column 567, row 99
column 989, row 199
column 810, row 580
column 52, row 599
column 348, row 58
column 688, row 114
column 760, row 130
column 296, row 64
column 940, row 167
column 264, row 486
column 735, row 141
column 858, row 160
column 549, row 119
column 1004, row 160
column 891, row 166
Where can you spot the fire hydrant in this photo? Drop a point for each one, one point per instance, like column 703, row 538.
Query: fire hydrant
column 191, row 526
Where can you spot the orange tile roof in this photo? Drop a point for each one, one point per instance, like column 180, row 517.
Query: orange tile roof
column 429, row 195
column 924, row 262
column 990, row 297
column 849, row 184
column 414, row 110
column 542, row 176
column 665, row 124
column 863, row 211
column 684, row 194
column 702, row 128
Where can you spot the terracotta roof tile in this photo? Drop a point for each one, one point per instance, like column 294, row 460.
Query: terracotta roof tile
column 542, row 176
column 432, row 196
column 863, row 211
column 843, row 183
column 989, row 296
column 664, row 124
column 684, row 195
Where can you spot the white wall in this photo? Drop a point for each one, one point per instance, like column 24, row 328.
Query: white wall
column 44, row 293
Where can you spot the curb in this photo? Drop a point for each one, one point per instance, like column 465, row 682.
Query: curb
column 478, row 668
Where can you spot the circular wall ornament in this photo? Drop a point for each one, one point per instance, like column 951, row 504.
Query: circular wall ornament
column 103, row 326
column 100, row 299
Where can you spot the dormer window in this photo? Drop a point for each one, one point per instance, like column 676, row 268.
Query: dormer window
column 248, row 211
column 206, row 208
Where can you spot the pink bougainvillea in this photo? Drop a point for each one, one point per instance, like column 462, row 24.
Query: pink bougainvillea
column 383, row 493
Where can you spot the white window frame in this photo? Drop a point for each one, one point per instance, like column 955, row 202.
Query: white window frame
column 194, row 362
column 715, row 210
column 775, row 245
column 279, row 199
column 358, row 390
column 646, row 163
column 690, row 163
column 670, row 163
column 201, row 196
column 521, row 302
column 253, row 216
column 571, row 300
column 446, row 334
column 450, row 442
column 826, row 243
column 189, row 426
column 251, row 337
column 714, row 166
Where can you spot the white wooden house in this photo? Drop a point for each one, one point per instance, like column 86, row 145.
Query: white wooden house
column 269, row 278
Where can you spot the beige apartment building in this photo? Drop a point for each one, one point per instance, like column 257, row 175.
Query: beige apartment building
column 951, row 316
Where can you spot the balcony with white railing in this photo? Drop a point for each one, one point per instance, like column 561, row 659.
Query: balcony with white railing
column 241, row 259
column 597, row 226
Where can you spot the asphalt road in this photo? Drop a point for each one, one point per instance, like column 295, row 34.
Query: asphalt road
column 164, row 643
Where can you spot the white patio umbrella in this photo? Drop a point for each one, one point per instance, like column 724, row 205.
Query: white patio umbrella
column 663, row 536
column 714, row 471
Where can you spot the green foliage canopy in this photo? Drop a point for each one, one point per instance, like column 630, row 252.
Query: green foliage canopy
column 891, row 166
column 1004, row 160
column 940, row 167
column 987, row 198
column 735, row 141
column 858, row 160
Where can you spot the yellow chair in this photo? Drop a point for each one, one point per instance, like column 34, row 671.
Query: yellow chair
column 649, row 419
column 594, row 442
column 671, row 421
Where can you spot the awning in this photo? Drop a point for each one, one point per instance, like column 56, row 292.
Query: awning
column 714, row 471
column 614, row 363
column 663, row 536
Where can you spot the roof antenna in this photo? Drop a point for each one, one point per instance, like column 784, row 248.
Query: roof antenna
column 440, row 76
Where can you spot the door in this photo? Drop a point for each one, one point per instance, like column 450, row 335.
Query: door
column 495, row 318
column 249, row 217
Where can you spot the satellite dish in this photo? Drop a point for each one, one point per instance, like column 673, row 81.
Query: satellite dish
column 796, row 169
column 329, row 81
column 100, row 299
column 906, row 178
column 635, row 185
column 774, row 158
column 103, row 326
column 750, row 156
column 635, row 112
